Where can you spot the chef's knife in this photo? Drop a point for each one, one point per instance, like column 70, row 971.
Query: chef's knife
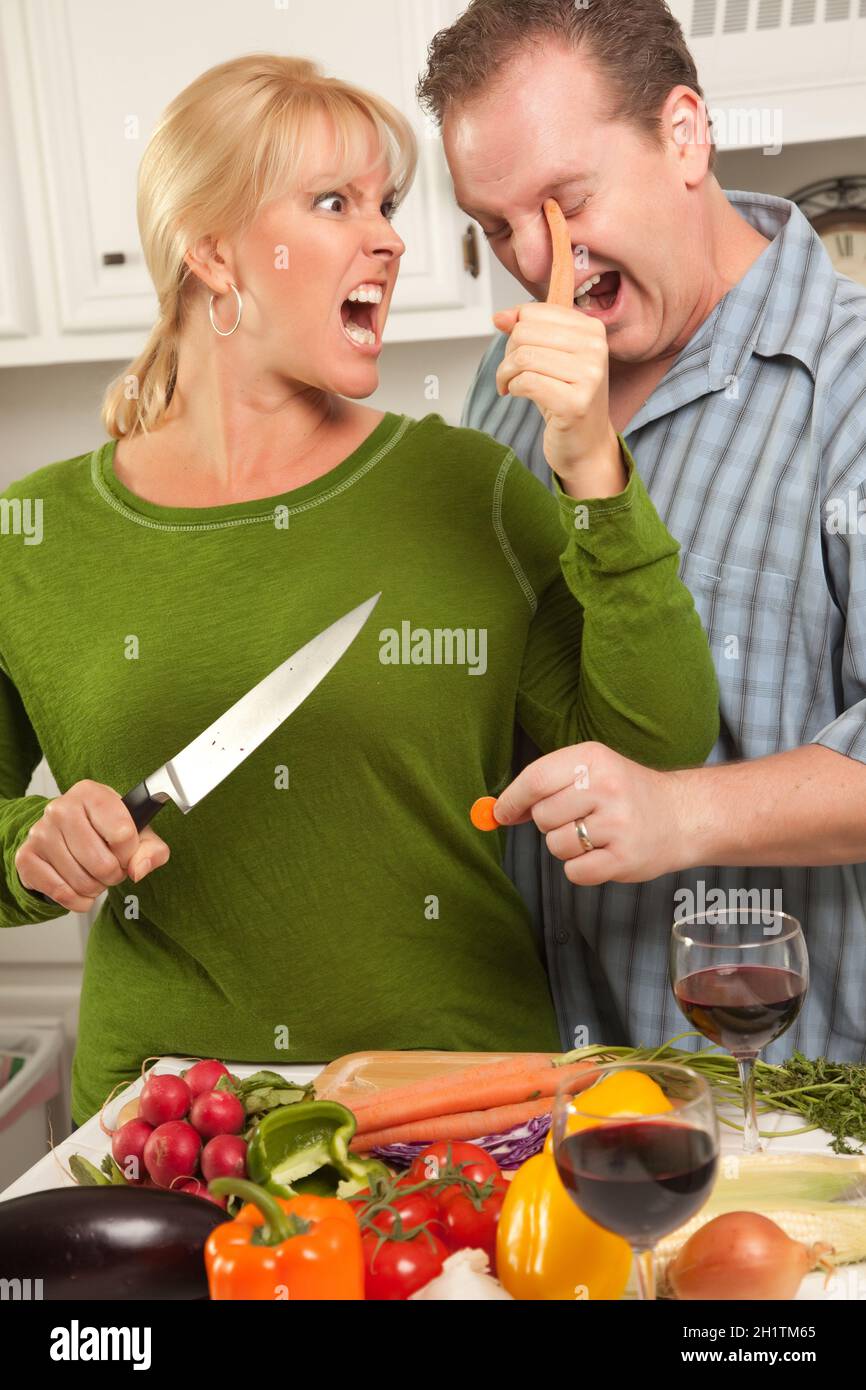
column 225, row 744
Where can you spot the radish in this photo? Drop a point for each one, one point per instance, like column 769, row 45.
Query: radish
column 198, row 1189
column 163, row 1098
column 204, row 1076
column 224, row 1156
column 127, row 1149
column 217, row 1112
column 171, row 1152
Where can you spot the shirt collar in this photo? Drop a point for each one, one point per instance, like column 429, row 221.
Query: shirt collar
column 781, row 306
column 783, row 303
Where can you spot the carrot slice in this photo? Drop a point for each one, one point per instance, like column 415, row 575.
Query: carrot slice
column 489, row 1085
column 471, row 1124
column 481, row 814
column 561, row 288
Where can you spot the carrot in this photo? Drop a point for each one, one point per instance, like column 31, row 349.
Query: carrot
column 471, row 1124
column 481, row 814
column 561, row 288
column 483, row 1087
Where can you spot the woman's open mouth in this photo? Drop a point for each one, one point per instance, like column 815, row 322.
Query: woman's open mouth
column 601, row 294
column 359, row 314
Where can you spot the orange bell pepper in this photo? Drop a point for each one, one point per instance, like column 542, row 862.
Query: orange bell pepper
column 294, row 1248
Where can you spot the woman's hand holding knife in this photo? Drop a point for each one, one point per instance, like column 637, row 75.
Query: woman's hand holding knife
column 85, row 842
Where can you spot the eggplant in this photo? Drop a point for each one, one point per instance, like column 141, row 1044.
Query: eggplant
column 108, row 1242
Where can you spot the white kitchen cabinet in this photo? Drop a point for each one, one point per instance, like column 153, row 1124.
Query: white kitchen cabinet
column 18, row 318
column 84, row 83
column 779, row 72
column 40, row 973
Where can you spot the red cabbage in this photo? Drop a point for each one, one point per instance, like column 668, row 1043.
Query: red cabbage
column 510, row 1148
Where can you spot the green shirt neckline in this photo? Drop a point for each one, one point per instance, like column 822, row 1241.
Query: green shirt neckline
column 379, row 442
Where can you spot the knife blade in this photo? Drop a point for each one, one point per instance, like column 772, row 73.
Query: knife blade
column 214, row 753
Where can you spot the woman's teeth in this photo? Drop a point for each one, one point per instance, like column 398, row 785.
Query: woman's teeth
column 359, row 334
column 581, row 295
column 362, row 333
column 367, row 294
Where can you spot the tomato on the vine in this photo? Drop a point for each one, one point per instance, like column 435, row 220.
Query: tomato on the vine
column 473, row 1163
column 412, row 1209
column 466, row 1226
column 397, row 1268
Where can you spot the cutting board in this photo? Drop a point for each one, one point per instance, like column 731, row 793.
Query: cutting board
column 365, row 1073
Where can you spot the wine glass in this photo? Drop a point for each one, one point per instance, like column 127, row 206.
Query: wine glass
column 740, row 976
column 640, row 1175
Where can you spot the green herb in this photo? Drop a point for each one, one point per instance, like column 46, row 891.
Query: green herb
column 113, row 1172
column 263, row 1092
column 831, row 1096
column 828, row 1095
column 86, row 1174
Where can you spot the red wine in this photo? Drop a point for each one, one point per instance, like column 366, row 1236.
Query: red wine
column 741, row 1007
column 639, row 1178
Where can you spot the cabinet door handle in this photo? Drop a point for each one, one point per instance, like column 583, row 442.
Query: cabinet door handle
column 471, row 262
column 114, row 258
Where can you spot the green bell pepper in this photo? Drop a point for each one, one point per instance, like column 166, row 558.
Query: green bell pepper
column 305, row 1148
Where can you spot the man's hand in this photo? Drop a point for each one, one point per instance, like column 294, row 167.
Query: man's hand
column 633, row 816
column 558, row 358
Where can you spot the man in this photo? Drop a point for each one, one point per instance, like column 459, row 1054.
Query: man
column 737, row 366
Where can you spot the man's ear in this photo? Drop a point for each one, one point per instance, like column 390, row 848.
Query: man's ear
column 689, row 131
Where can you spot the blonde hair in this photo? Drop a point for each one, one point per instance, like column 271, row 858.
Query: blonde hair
column 227, row 144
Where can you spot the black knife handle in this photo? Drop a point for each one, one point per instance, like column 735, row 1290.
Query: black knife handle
column 142, row 806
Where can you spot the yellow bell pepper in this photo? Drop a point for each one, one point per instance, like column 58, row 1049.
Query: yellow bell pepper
column 624, row 1093
column 546, row 1248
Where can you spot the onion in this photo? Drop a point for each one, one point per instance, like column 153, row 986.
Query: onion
column 465, row 1277
column 129, row 1112
column 742, row 1255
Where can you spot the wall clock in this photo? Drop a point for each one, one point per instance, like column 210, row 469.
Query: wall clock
column 837, row 210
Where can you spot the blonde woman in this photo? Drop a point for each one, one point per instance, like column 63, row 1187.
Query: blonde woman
column 331, row 895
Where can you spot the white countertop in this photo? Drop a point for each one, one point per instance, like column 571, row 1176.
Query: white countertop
column 90, row 1141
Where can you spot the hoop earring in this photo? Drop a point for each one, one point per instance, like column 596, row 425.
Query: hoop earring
column 227, row 333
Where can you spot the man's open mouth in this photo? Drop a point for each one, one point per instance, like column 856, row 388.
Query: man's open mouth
column 360, row 313
column 599, row 291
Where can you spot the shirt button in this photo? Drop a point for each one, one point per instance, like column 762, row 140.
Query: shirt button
column 562, row 937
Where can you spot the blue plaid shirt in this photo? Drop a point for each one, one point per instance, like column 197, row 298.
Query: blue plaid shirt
column 753, row 448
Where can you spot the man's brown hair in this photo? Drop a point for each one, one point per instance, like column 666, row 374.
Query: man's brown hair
column 636, row 45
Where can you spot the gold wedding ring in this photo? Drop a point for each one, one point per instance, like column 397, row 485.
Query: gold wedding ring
column 583, row 836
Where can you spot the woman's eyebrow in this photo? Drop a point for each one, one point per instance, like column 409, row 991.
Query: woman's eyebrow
column 355, row 191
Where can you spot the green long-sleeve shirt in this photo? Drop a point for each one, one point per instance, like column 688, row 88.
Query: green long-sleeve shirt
column 331, row 895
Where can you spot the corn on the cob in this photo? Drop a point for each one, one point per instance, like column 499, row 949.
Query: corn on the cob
column 812, row 1197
